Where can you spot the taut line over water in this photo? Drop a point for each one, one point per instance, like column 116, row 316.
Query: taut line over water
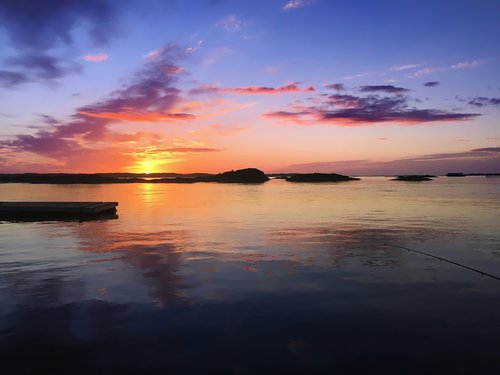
column 482, row 273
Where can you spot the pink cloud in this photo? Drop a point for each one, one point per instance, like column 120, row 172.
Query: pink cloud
column 99, row 57
column 263, row 89
column 250, row 90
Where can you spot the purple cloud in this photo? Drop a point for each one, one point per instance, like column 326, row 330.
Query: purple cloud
column 44, row 66
column 390, row 89
column 345, row 101
column 475, row 153
column 431, row 84
column 495, row 150
column 37, row 27
column 43, row 143
column 204, row 89
column 350, row 110
column 61, row 138
column 336, row 86
column 149, row 96
column 49, row 120
column 481, row 101
column 9, row 78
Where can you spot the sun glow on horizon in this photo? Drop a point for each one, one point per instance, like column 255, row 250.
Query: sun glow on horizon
column 148, row 164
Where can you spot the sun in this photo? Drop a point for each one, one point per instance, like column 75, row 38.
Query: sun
column 147, row 162
column 146, row 166
column 149, row 165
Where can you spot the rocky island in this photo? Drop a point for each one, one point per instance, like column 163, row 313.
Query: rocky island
column 248, row 175
column 241, row 176
column 413, row 178
column 320, row 177
column 244, row 176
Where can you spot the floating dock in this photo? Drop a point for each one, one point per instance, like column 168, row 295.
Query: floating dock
column 57, row 210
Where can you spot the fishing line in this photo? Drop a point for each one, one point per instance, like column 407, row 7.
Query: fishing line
column 482, row 273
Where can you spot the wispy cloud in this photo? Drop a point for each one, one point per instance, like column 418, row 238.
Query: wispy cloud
column 459, row 65
column 205, row 89
column 469, row 64
column 291, row 87
column 358, row 75
column 426, row 71
column 231, row 23
column 294, row 4
column 431, row 84
column 153, row 54
column 250, row 90
column 159, row 53
column 399, row 68
column 98, row 57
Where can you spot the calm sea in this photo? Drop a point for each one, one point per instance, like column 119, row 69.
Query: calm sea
column 278, row 277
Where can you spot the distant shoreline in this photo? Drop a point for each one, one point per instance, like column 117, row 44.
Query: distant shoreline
column 248, row 175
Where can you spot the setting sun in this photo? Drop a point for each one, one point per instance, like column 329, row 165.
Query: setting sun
column 148, row 166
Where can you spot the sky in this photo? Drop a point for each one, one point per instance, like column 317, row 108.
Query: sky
column 354, row 87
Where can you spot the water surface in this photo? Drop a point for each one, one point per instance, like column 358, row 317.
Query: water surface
column 277, row 277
